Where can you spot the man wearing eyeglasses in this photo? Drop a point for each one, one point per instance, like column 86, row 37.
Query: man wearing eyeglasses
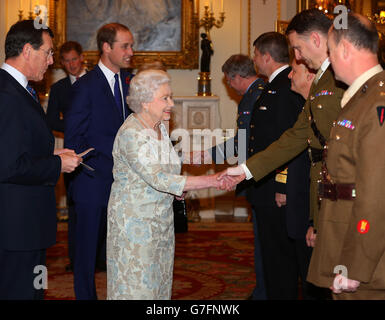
column 29, row 165
column 97, row 111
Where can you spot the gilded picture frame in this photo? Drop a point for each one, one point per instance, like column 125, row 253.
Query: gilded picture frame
column 185, row 58
column 304, row 4
column 281, row 25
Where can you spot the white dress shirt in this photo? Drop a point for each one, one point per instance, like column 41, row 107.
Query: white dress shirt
column 17, row 75
column 277, row 72
column 73, row 78
column 110, row 76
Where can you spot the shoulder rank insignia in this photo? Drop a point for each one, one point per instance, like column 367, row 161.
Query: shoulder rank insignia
column 381, row 114
column 347, row 124
column 324, row 93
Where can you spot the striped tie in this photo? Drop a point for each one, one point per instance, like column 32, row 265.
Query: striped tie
column 33, row 93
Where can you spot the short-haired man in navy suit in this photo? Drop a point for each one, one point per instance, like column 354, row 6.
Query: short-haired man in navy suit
column 71, row 58
column 279, row 227
column 97, row 110
column 29, row 165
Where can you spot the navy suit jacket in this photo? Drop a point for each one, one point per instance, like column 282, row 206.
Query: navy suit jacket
column 92, row 121
column 28, row 171
column 59, row 99
column 276, row 110
column 245, row 111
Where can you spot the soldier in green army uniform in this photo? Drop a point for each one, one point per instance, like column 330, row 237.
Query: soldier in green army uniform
column 307, row 33
column 350, row 238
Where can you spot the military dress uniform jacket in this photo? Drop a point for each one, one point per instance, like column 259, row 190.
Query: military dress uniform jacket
column 324, row 101
column 275, row 111
column 245, row 110
column 351, row 232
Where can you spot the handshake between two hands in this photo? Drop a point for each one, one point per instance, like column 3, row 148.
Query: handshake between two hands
column 229, row 178
column 225, row 180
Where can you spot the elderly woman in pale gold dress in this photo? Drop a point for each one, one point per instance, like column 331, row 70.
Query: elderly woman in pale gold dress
column 140, row 238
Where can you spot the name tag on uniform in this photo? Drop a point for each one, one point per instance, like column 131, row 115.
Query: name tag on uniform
column 262, row 108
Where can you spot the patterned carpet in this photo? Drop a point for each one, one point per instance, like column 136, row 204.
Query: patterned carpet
column 213, row 261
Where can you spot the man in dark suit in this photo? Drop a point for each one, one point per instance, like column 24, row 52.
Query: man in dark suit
column 275, row 111
column 29, row 165
column 71, row 58
column 97, row 111
column 240, row 74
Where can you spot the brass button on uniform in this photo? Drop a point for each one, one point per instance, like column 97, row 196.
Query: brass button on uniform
column 252, row 138
column 319, row 106
column 334, row 123
column 338, row 137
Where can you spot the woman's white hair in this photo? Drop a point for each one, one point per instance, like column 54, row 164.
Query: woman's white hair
column 143, row 86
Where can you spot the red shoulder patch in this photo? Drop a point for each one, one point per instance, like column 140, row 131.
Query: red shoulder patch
column 363, row 226
column 381, row 114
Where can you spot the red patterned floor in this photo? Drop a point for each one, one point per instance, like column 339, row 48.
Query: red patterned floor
column 213, row 261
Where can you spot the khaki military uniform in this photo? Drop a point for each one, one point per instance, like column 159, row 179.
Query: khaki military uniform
column 324, row 101
column 351, row 232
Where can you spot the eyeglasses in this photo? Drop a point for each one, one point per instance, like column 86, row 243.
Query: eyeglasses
column 49, row 52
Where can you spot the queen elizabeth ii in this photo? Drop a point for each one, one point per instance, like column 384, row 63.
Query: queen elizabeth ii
column 140, row 237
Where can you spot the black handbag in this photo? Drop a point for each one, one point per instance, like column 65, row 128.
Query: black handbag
column 180, row 216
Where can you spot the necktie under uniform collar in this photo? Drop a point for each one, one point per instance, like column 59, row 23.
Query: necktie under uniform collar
column 321, row 70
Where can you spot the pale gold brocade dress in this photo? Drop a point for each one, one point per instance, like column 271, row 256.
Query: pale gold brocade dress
column 140, row 236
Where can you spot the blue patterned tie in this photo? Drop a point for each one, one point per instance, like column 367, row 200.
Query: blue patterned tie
column 118, row 95
column 33, row 93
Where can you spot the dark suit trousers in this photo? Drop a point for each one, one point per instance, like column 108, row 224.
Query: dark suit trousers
column 71, row 219
column 284, row 259
column 259, row 292
column 17, row 274
column 91, row 222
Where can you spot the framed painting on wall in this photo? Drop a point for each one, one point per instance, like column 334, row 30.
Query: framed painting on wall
column 163, row 30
